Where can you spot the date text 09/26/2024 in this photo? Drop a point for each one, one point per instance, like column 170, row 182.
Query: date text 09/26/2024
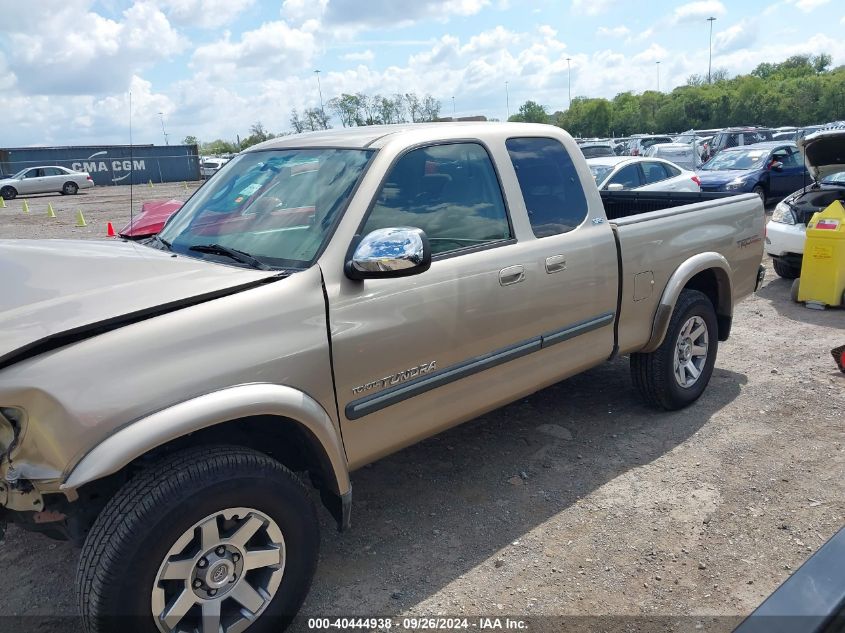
column 418, row 624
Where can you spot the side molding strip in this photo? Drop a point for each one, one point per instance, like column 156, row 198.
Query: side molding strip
column 376, row 402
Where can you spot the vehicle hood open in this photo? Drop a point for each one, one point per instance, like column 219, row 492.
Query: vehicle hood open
column 56, row 292
column 824, row 152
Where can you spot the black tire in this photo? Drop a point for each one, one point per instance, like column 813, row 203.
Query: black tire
column 653, row 373
column 785, row 269
column 70, row 189
column 8, row 193
column 758, row 189
column 140, row 524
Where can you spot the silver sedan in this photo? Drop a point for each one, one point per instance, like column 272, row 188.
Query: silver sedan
column 51, row 179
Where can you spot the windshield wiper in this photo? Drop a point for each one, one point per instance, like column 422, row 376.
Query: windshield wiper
column 163, row 242
column 231, row 253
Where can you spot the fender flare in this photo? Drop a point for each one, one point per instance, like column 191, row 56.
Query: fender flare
column 679, row 279
column 143, row 435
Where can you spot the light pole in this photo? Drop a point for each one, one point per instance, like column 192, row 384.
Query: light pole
column 711, row 19
column 658, row 76
column 163, row 131
column 569, row 82
column 320, row 91
column 507, row 100
column 453, row 107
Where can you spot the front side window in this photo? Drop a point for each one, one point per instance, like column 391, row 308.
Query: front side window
column 628, row 177
column 550, row 185
column 34, row 173
column 277, row 206
column 449, row 191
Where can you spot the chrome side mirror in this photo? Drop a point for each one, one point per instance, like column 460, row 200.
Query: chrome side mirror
column 392, row 252
column 616, row 186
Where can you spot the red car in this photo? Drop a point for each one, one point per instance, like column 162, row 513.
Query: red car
column 151, row 219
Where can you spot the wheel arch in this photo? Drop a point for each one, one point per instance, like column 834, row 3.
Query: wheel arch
column 280, row 421
column 709, row 273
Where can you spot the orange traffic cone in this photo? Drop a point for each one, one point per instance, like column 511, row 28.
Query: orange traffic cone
column 110, row 230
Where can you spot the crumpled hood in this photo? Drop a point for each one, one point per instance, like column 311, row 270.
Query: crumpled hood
column 151, row 219
column 57, row 291
column 720, row 177
column 824, row 152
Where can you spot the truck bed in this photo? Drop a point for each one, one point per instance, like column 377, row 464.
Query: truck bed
column 623, row 204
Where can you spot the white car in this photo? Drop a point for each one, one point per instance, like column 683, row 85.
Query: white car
column 52, row 179
column 211, row 166
column 636, row 173
column 787, row 231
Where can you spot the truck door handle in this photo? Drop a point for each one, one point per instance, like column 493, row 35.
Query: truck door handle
column 555, row 263
column 511, row 275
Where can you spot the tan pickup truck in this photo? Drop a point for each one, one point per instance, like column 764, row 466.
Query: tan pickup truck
column 324, row 300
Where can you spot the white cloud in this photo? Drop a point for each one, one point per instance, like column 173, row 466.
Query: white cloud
column 614, row 32
column 809, row 5
column 695, row 11
column 206, row 14
column 274, row 47
column 397, row 12
column 736, row 37
column 362, row 56
column 592, row 7
column 95, row 56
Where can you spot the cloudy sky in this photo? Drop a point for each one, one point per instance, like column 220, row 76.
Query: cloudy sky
column 213, row 67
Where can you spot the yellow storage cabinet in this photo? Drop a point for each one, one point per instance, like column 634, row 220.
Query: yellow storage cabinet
column 823, row 266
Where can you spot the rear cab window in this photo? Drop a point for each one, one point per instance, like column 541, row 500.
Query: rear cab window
column 550, row 185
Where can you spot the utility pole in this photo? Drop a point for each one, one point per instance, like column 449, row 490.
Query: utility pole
column 711, row 19
column 658, row 75
column 569, row 82
column 320, row 91
column 507, row 100
column 163, row 131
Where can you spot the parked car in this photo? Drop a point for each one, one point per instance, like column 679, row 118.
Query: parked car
column 596, row 149
column 736, row 137
column 254, row 345
column 772, row 170
column 640, row 144
column 635, row 173
column 211, row 166
column 824, row 153
column 151, row 219
column 684, row 155
column 51, row 179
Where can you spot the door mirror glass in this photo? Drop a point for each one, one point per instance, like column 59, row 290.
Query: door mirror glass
column 616, row 186
column 390, row 252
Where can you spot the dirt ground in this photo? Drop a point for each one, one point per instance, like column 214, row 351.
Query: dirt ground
column 576, row 501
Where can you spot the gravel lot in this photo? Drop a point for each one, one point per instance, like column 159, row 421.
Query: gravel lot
column 575, row 501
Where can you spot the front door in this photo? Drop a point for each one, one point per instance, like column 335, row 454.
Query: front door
column 32, row 181
column 415, row 355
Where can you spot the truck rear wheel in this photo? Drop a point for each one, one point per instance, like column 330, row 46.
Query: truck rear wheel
column 676, row 373
column 212, row 539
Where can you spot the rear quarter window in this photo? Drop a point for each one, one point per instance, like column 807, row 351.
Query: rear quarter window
column 551, row 188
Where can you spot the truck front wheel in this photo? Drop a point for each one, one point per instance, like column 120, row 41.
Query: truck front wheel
column 677, row 372
column 210, row 539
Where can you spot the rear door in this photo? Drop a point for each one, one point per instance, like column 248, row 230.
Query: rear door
column 54, row 179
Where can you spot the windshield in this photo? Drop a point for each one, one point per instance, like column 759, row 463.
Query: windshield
column 740, row 160
column 834, row 179
column 278, row 206
column 600, row 172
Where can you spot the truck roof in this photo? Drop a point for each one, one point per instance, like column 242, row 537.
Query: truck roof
column 377, row 135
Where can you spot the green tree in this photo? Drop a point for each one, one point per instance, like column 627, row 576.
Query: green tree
column 190, row 140
column 531, row 112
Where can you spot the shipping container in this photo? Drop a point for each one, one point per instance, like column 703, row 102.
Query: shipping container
column 111, row 164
